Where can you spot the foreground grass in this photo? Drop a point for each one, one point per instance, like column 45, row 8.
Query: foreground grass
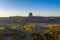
column 51, row 34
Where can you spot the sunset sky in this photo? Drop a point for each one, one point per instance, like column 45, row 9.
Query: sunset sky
column 23, row 7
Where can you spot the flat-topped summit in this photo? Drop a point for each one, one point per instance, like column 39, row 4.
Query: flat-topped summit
column 30, row 14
